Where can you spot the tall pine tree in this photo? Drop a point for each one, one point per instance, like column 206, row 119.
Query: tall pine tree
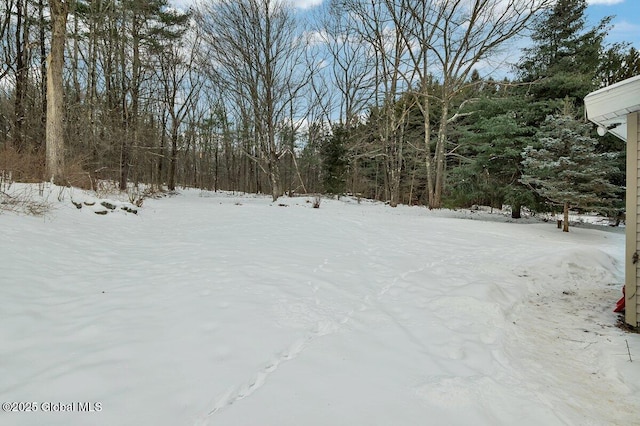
column 565, row 168
column 563, row 66
column 565, row 56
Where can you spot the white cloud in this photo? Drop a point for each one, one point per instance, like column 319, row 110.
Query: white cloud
column 317, row 37
column 306, row 4
column 626, row 27
column 182, row 4
column 625, row 31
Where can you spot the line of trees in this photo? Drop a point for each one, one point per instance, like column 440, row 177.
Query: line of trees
column 378, row 98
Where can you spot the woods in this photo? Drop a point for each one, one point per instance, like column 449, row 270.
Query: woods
column 403, row 101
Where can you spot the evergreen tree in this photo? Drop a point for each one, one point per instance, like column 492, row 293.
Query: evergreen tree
column 566, row 169
column 564, row 64
column 565, row 55
column 618, row 64
column 495, row 136
column 333, row 153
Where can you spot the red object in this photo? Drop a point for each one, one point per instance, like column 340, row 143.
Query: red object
column 620, row 304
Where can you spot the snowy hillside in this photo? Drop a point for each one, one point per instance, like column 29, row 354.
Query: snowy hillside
column 216, row 309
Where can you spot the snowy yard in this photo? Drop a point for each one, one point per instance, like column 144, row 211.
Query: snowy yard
column 215, row 309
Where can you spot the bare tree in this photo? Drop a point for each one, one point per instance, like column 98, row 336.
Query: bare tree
column 6, row 62
column 380, row 25
column 21, row 71
column 465, row 34
column 180, row 86
column 6, row 12
column 468, row 33
column 6, row 9
column 419, row 42
column 256, row 48
column 349, row 63
column 418, row 34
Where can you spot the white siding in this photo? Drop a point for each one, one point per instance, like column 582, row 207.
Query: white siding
column 634, row 132
column 632, row 280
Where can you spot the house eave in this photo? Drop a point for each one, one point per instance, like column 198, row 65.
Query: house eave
column 608, row 107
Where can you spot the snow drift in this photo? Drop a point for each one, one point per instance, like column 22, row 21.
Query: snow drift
column 217, row 309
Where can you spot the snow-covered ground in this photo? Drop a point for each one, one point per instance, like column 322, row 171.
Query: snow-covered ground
column 217, row 309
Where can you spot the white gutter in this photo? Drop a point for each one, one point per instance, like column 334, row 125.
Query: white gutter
column 609, row 106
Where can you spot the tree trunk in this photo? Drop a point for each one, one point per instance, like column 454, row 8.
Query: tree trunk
column 43, row 67
column 161, row 151
column 516, row 211
column 55, row 92
column 174, row 157
column 425, row 109
column 131, row 136
column 20, row 74
column 565, row 225
column 394, row 188
column 274, row 177
column 440, row 157
column 124, row 148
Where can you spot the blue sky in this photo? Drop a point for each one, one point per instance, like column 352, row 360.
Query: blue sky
column 626, row 23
